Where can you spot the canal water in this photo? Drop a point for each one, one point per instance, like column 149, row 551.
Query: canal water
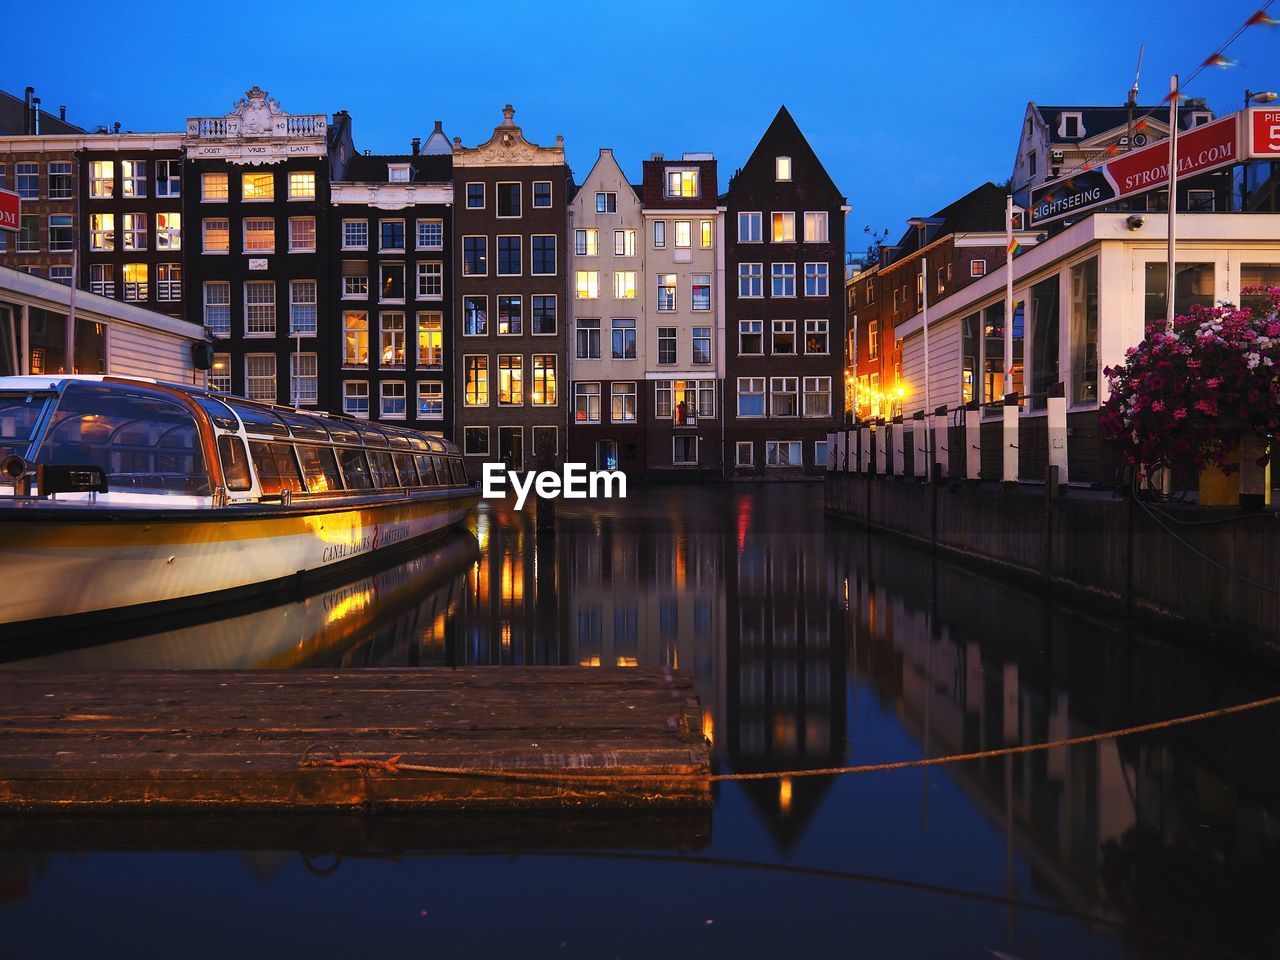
column 811, row 645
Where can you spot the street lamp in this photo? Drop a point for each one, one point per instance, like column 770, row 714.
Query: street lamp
column 1261, row 96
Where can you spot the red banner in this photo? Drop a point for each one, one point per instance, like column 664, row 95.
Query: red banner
column 1264, row 133
column 10, row 211
column 1200, row 149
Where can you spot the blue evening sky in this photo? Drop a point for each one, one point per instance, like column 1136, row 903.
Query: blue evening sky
column 909, row 105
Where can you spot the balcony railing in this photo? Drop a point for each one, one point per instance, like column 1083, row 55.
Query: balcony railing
column 226, row 128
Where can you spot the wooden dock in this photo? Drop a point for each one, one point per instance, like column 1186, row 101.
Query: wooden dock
column 312, row 740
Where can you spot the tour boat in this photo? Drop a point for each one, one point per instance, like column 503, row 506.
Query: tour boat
column 123, row 496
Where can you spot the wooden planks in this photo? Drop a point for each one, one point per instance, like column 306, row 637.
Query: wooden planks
column 220, row 741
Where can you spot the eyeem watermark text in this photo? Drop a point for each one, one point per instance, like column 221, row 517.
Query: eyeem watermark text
column 574, row 483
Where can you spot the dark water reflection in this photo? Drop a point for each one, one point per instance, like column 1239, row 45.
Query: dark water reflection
column 811, row 645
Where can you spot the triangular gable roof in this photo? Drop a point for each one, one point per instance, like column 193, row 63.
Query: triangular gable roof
column 783, row 131
column 606, row 154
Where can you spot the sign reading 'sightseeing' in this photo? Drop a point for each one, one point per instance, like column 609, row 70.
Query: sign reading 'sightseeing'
column 1204, row 148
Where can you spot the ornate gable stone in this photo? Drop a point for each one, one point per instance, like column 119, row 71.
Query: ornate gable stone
column 507, row 147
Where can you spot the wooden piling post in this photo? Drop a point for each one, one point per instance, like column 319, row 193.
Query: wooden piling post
column 920, row 441
column 972, row 442
column 1009, row 439
column 882, row 447
column 941, row 442
column 899, row 447
column 1057, row 416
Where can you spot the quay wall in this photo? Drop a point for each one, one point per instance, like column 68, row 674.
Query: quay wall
column 1212, row 572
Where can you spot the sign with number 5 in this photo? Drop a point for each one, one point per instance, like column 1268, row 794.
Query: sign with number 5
column 1264, row 133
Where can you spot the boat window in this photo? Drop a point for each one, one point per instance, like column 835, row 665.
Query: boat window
column 418, row 443
column 320, row 468
column 404, row 467
column 19, row 416
column 218, row 412
column 235, row 463
column 372, row 437
column 343, row 432
column 260, row 420
column 384, row 472
column 304, row 427
column 399, row 441
column 142, row 442
column 426, row 470
column 276, row 466
column 355, row 469
column 459, row 471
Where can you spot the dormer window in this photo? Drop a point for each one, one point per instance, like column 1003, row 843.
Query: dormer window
column 782, row 169
column 682, row 183
column 398, row 173
column 1070, row 126
column 1199, row 117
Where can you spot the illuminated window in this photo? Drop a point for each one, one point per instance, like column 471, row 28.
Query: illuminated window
column 588, row 285
column 784, row 227
column 873, row 340
column 544, row 380
column 355, row 341
column 60, row 184
column 134, row 231
column 476, row 390
column 168, row 231
column 431, row 280
column 624, row 285
column 510, row 379
column 133, row 178
column 102, row 179
column 216, row 235
column 259, row 235
column 219, row 376
column 475, row 316
column 622, row 402
column 684, row 234
column 303, row 307
column 213, row 187
column 260, row 376
column 977, row 268
column 355, row 398
column 169, row 282
column 624, row 243
column 815, row 336
column 430, row 400
column 260, row 308
column 682, row 183
column 217, row 308
column 510, row 315
column 136, row 281
column 586, row 243
column 782, row 169
column 784, row 279
column 430, row 340
column 706, row 234
column 586, row 402
column 430, row 234
column 168, row 178
column 815, row 226
column 258, row 186
column 701, row 291
column 666, row 292
column 391, row 282
column 302, row 234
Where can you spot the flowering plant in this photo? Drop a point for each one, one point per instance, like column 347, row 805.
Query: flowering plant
column 1184, row 396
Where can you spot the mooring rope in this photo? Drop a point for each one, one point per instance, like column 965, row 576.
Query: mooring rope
column 395, row 765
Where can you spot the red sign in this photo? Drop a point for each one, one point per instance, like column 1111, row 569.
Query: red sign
column 10, row 211
column 1200, row 149
column 1264, row 133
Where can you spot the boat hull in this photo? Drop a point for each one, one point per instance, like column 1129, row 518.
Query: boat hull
column 70, row 562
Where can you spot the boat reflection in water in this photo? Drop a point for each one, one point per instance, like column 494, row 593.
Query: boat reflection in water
column 406, row 607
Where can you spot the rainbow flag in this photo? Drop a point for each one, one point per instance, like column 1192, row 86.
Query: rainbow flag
column 1014, row 247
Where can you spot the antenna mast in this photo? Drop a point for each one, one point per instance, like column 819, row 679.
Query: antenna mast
column 1133, row 94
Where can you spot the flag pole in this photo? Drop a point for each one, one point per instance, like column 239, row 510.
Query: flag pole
column 1008, row 295
column 924, row 312
column 1171, row 265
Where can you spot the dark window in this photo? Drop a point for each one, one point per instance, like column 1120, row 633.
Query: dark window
column 542, row 193
column 384, row 472
column 355, row 469
column 475, row 196
column 544, row 314
column 406, row 470
column 392, row 235
column 508, row 256
column 475, row 256
column 508, row 199
column 426, row 472
column 543, row 255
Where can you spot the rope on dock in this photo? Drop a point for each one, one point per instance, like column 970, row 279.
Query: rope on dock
column 310, row 757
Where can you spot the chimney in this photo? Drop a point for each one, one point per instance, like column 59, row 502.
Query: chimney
column 35, row 110
column 62, row 112
column 416, row 145
column 26, row 112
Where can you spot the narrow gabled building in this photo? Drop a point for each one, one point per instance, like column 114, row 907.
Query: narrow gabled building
column 391, row 263
column 784, row 376
column 256, row 215
column 609, row 321
column 509, row 277
column 684, row 250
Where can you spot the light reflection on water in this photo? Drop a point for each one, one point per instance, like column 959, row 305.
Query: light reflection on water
column 811, row 645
